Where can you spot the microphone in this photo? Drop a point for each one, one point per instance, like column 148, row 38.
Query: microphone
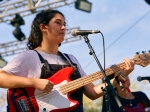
column 139, row 78
column 76, row 32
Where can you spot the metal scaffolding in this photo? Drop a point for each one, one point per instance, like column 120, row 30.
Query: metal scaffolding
column 8, row 10
column 27, row 7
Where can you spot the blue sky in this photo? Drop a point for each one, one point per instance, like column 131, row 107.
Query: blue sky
column 125, row 28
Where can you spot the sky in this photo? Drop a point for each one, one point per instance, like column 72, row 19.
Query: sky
column 124, row 24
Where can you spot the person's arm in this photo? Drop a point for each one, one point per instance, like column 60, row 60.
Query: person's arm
column 22, row 71
column 93, row 92
column 13, row 81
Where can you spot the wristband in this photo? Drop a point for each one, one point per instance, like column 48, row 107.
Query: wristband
column 111, row 81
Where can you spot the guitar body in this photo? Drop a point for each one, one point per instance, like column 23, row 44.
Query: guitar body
column 33, row 100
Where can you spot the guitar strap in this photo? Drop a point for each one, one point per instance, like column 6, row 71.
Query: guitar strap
column 45, row 70
column 68, row 61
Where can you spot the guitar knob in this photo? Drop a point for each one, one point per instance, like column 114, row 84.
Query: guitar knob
column 144, row 52
column 137, row 53
column 44, row 109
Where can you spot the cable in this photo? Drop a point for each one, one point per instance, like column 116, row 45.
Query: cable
column 119, row 37
column 103, row 49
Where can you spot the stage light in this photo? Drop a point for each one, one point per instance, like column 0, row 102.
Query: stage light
column 2, row 62
column 83, row 5
column 18, row 33
column 17, row 22
column 147, row 1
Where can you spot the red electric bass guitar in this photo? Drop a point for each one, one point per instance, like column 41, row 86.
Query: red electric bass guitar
column 58, row 100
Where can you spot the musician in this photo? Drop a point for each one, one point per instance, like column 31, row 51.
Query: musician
column 131, row 101
column 43, row 59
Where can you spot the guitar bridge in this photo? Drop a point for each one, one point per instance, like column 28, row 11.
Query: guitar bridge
column 23, row 105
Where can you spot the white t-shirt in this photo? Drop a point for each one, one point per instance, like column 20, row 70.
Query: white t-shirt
column 28, row 64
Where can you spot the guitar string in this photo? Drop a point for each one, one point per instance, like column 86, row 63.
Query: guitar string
column 51, row 95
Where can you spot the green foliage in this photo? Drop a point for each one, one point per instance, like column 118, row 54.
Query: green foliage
column 91, row 110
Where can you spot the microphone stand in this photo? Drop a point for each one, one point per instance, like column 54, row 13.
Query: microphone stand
column 106, row 79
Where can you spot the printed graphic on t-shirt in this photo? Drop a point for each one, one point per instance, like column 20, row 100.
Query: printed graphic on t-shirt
column 137, row 108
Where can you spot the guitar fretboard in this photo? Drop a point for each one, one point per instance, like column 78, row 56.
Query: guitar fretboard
column 73, row 85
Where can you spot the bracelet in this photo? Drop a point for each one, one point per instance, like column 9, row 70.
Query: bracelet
column 122, row 77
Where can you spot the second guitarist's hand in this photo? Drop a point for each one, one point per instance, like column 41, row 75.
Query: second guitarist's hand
column 129, row 66
column 128, row 69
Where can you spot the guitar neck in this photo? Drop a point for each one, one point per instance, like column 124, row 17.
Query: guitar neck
column 73, row 85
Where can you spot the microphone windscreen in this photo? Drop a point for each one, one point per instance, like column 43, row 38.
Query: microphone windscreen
column 139, row 78
column 73, row 32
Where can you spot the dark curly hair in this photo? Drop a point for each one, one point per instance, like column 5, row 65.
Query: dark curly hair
column 35, row 37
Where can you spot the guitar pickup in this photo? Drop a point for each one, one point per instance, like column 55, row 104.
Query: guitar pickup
column 23, row 105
